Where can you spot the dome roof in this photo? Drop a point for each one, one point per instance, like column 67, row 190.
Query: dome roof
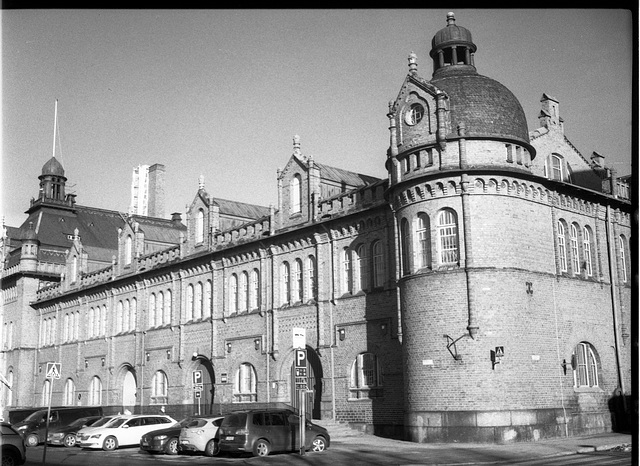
column 52, row 167
column 487, row 108
column 451, row 33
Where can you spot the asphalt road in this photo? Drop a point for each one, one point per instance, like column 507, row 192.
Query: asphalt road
column 339, row 454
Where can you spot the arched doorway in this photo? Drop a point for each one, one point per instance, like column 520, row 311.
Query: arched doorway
column 129, row 389
column 314, row 384
column 207, row 395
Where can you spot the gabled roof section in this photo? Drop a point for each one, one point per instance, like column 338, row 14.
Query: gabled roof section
column 159, row 229
column 416, row 80
column 349, row 178
column 240, row 209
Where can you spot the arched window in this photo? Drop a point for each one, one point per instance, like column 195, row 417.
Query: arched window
column 199, row 226
column 623, row 257
column 423, row 246
column 128, row 250
column 361, row 267
column 46, row 392
column 405, row 242
column 133, row 315
column 11, row 345
column 585, row 366
column 159, row 389
column 190, row 306
column 312, row 288
column 296, row 282
column 285, row 276
column 126, row 315
column 69, row 392
column 447, row 231
column 206, row 306
column 233, row 294
column 76, row 326
column 119, row 317
column 167, row 308
column 346, row 272
column 245, row 387
column 243, row 292
column 365, row 380
column 254, row 289
column 90, row 322
column 103, row 329
column 197, row 309
column 159, row 312
column 378, row 265
column 65, row 335
column 295, row 193
column 152, row 310
column 95, row 392
column 74, row 269
column 575, row 256
column 562, row 247
column 553, row 167
column 9, row 393
column 586, row 246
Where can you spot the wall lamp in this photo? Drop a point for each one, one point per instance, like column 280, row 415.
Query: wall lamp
column 194, row 356
column 148, row 356
column 229, row 347
column 102, row 361
column 342, row 334
column 256, row 343
column 383, row 328
column 86, row 363
column 168, row 354
column 529, row 286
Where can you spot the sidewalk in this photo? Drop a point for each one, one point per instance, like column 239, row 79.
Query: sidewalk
column 471, row 453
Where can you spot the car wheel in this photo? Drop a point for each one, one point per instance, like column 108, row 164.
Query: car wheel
column 110, row 443
column 32, row 440
column 172, row 446
column 69, row 440
column 319, row 444
column 9, row 458
column 261, row 448
column 212, row 448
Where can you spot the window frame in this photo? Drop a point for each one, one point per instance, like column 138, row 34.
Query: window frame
column 245, row 388
column 562, row 247
column 365, row 378
column 448, row 240
column 585, row 366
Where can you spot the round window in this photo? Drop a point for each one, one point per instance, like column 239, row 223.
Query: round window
column 414, row 114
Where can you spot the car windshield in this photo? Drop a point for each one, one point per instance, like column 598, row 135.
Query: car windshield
column 78, row 422
column 102, row 421
column 116, row 423
column 183, row 423
column 197, row 423
column 37, row 416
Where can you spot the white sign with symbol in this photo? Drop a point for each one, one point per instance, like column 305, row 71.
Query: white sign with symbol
column 197, row 381
column 53, row 370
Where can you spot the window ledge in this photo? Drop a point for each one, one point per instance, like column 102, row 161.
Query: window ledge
column 595, row 389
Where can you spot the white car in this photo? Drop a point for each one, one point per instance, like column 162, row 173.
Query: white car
column 124, row 431
column 84, row 432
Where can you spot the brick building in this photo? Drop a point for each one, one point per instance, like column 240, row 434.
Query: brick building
column 481, row 292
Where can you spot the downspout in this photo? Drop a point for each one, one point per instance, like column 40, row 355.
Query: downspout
column 35, row 358
column 466, row 222
column 333, row 332
column 614, row 302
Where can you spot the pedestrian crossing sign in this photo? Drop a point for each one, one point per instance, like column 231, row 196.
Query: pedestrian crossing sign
column 499, row 351
column 53, row 370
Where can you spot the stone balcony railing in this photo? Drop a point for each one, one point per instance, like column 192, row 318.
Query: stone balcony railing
column 355, row 199
column 245, row 232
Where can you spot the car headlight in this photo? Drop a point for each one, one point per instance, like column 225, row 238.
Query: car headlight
column 160, row 437
column 57, row 435
column 96, row 436
column 22, row 428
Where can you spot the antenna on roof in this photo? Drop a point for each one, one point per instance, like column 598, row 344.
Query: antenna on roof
column 55, row 126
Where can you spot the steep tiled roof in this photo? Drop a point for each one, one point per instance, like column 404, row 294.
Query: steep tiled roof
column 240, row 209
column 344, row 176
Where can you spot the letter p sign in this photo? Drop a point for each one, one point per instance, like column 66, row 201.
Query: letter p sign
column 301, row 358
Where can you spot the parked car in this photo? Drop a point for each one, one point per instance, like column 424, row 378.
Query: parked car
column 33, row 426
column 84, row 432
column 124, row 431
column 13, row 447
column 66, row 435
column 200, row 435
column 262, row 431
column 164, row 440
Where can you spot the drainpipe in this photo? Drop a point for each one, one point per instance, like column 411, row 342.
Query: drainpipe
column 614, row 302
column 466, row 222
column 333, row 333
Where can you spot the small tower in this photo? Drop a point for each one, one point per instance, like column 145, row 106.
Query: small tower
column 52, row 181
column 29, row 250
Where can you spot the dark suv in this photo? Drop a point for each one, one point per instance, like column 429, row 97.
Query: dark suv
column 13, row 448
column 262, row 431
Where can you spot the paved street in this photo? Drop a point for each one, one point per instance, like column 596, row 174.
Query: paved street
column 370, row 450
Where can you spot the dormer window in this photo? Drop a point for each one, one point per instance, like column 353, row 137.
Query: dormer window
column 200, row 226
column 414, row 114
column 554, row 168
column 295, row 194
column 128, row 248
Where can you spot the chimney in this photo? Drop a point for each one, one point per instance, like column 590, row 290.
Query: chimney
column 156, row 191
column 597, row 160
column 176, row 218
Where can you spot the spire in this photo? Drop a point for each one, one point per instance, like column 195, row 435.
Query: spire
column 413, row 63
column 200, row 182
column 296, row 146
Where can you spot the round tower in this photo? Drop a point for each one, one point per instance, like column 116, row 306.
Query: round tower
column 459, row 165
column 29, row 250
column 52, row 181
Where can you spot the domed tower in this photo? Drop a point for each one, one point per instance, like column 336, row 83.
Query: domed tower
column 459, row 165
column 29, row 250
column 52, row 181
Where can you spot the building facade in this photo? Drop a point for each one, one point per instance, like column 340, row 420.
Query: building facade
column 481, row 292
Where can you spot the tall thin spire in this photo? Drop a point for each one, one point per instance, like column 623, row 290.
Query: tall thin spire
column 55, row 126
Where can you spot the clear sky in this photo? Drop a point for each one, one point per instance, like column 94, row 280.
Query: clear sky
column 222, row 92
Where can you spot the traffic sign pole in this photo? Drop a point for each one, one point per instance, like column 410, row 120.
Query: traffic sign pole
column 53, row 372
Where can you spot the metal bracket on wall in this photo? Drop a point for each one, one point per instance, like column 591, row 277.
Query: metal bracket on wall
column 452, row 343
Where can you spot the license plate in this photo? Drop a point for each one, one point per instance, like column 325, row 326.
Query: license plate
column 229, row 437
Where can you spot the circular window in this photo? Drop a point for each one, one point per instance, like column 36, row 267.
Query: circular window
column 414, row 114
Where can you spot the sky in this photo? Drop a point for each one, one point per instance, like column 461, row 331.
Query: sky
column 221, row 93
